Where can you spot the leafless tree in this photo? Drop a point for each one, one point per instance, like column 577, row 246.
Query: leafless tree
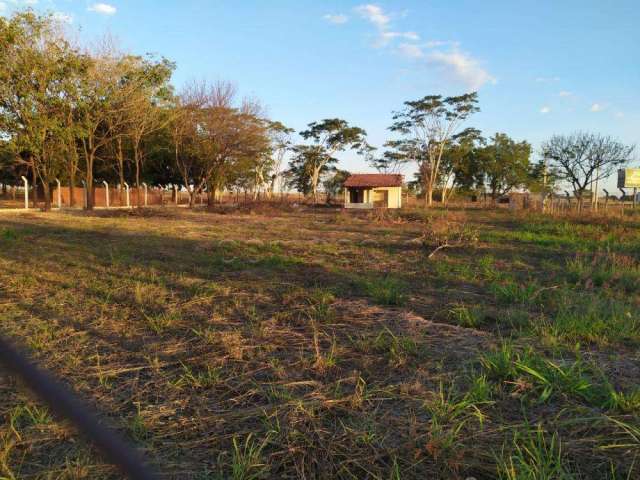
column 583, row 159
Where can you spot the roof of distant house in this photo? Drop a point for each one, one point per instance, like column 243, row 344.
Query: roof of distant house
column 374, row 180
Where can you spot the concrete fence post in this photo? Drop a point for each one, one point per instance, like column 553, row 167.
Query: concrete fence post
column 26, row 192
column 106, row 190
column 126, row 185
column 59, row 196
column 146, row 188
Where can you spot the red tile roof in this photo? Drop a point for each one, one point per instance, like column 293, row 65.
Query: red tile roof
column 374, row 180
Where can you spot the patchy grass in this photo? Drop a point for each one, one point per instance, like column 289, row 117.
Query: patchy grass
column 286, row 343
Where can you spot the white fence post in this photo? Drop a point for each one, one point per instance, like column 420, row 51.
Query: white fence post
column 106, row 189
column 145, row 193
column 59, row 194
column 26, row 192
column 126, row 185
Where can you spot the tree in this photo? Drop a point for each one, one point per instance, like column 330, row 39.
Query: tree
column 280, row 136
column 99, row 112
column 542, row 178
column 329, row 137
column 307, row 166
column 146, row 82
column 335, row 183
column 187, row 139
column 37, row 83
column 215, row 140
column 505, row 164
column 430, row 122
column 461, row 168
column 583, row 159
column 397, row 154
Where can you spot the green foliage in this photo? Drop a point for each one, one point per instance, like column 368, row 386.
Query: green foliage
column 311, row 162
column 464, row 316
column 247, row 462
column 385, row 290
column 529, row 375
column 399, row 349
column 592, row 318
column 510, row 292
column 534, row 455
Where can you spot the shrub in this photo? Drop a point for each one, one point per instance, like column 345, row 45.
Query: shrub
column 445, row 234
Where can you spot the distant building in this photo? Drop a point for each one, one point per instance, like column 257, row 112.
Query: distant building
column 373, row 190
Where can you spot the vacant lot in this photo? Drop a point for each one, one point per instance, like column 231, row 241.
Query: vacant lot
column 316, row 344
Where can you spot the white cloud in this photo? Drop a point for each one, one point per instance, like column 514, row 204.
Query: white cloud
column 410, row 50
column 439, row 43
column 374, row 14
column 597, row 107
column 103, row 9
column 545, row 110
column 461, row 67
column 337, row 18
column 3, row 7
column 547, row 79
column 63, row 17
column 565, row 93
column 377, row 16
column 405, row 35
column 19, row 3
column 385, row 37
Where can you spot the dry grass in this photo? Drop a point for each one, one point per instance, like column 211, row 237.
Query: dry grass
column 299, row 343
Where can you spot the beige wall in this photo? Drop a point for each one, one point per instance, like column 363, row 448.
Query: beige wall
column 394, row 198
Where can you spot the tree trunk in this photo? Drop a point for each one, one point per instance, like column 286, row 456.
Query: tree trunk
column 428, row 195
column 120, row 164
column 89, row 183
column 72, row 184
column 35, row 184
column 136, row 156
column 47, row 196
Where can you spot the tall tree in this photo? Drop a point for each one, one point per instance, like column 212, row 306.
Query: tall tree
column 329, row 136
column 214, row 138
column 334, row 184
column 99, row 112
column 308, row 165
column 583, row 159
column 397, row 154
column 430, row 123
column 505, row 164
column 38, row 76
column 280, row 136
column 461, row 166
column 147, row 84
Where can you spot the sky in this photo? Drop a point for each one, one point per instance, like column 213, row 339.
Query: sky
column 540, row 68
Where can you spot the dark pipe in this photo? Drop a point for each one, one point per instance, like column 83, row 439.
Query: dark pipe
column 66, row 405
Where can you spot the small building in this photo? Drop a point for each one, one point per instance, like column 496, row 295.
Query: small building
column 373, row 190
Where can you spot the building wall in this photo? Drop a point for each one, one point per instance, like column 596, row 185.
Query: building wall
column 394, row 199
column 394, row 196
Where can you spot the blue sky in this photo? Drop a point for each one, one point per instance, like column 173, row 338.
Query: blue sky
column 540, row 67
